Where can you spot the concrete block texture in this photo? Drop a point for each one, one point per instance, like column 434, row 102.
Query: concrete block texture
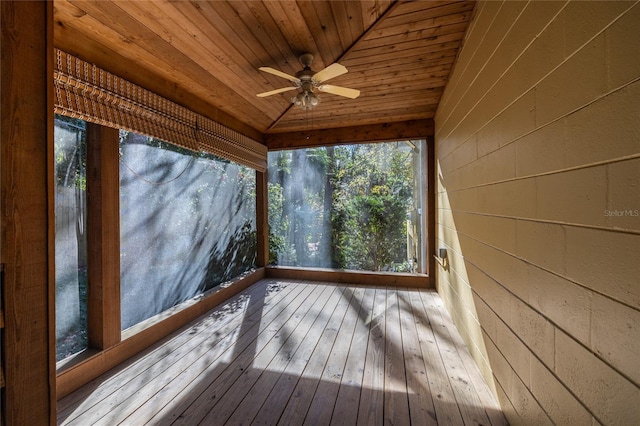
column 605, row 262
column 538, row 138
column 611, row 398
column 562, row 407
column 577, row 196
column 622, row 49
column 623, row 209
column 565, row 303
column 615, row 334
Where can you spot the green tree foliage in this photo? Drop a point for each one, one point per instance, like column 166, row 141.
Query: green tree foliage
column 341, row 207
column 70, row 153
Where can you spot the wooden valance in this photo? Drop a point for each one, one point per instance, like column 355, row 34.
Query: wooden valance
column 85, row 91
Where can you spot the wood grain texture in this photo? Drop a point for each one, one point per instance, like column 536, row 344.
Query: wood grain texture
column 396, row 401
column 133, row 370
column 415, row 129
column 371, row 408
column 296, row 410
column 349, row 277
column 103, row 237
column 26, row 139
column 297, row 352
column 208, row 53
column 431, row 211
column 148, row 333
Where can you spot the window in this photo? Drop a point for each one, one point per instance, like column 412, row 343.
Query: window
column 187, row 224
column 160, row 223
column 353, row 207
column 71, row 236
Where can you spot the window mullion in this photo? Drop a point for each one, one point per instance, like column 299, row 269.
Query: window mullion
column 103, row 236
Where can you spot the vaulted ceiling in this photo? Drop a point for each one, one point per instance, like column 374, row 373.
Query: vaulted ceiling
column 206, row 54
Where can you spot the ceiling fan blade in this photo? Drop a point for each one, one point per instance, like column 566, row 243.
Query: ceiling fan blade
column 280, row 74
column 275, row 92
column 341, row 91
column 329, row 72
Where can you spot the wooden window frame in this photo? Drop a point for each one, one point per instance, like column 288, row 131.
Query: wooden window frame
column 108, row 344
column 103, row 250
column 415, row 129
column 108, row 103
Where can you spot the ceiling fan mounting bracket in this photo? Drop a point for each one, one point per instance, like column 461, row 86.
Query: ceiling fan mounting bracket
column 306, row 59
column 306, row 74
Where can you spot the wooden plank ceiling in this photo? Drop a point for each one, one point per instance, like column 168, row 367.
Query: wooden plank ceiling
column 206, row 54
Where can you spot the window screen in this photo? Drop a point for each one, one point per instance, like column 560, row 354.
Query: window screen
column 353, row 207
column 71, row 236
column 187, row 224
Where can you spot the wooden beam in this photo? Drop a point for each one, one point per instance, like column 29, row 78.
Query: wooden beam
column 262, row 225
column 103, row 236
column 349, row 277
column 414, row 129
column 26, row 141
column 431, row 211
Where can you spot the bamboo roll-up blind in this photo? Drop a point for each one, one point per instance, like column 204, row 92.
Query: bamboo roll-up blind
column 84, row 91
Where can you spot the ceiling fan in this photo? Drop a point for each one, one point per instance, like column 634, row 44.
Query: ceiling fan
column 309, row 80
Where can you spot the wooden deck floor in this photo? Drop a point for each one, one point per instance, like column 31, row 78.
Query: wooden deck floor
column 294, row 353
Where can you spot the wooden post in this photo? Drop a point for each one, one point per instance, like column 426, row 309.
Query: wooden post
column 103, row 237
column 431, row 211
column 262, row 224
column 26, row 141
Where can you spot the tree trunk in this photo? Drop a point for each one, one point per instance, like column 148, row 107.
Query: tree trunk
column 326, row 247
column 297, row 202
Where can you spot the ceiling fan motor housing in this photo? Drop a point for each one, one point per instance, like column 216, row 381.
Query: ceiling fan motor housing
column 306, row 74
column 306, row 99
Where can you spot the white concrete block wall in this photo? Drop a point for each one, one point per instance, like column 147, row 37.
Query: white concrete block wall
column 538, row 203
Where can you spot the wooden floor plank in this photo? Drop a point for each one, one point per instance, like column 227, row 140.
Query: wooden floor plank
column 270, row 363
column 175, row 398
column 323, row 402
column 298, row 405
column 444, row 401
column 371, row 410
column 138, row 403
column 143, row 369
column 199, row 358
column 466, row 397
column 292, row 352
column 420, row 397
column 491, row 407
column 196, row 405
column 250, row 406
column 277, row 400
column 396, row 402
column 346, row 407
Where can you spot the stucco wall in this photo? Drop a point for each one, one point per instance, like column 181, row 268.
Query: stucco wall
column 538, row 204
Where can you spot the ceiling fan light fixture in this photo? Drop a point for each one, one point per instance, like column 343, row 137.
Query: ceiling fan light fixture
column 306, row 100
